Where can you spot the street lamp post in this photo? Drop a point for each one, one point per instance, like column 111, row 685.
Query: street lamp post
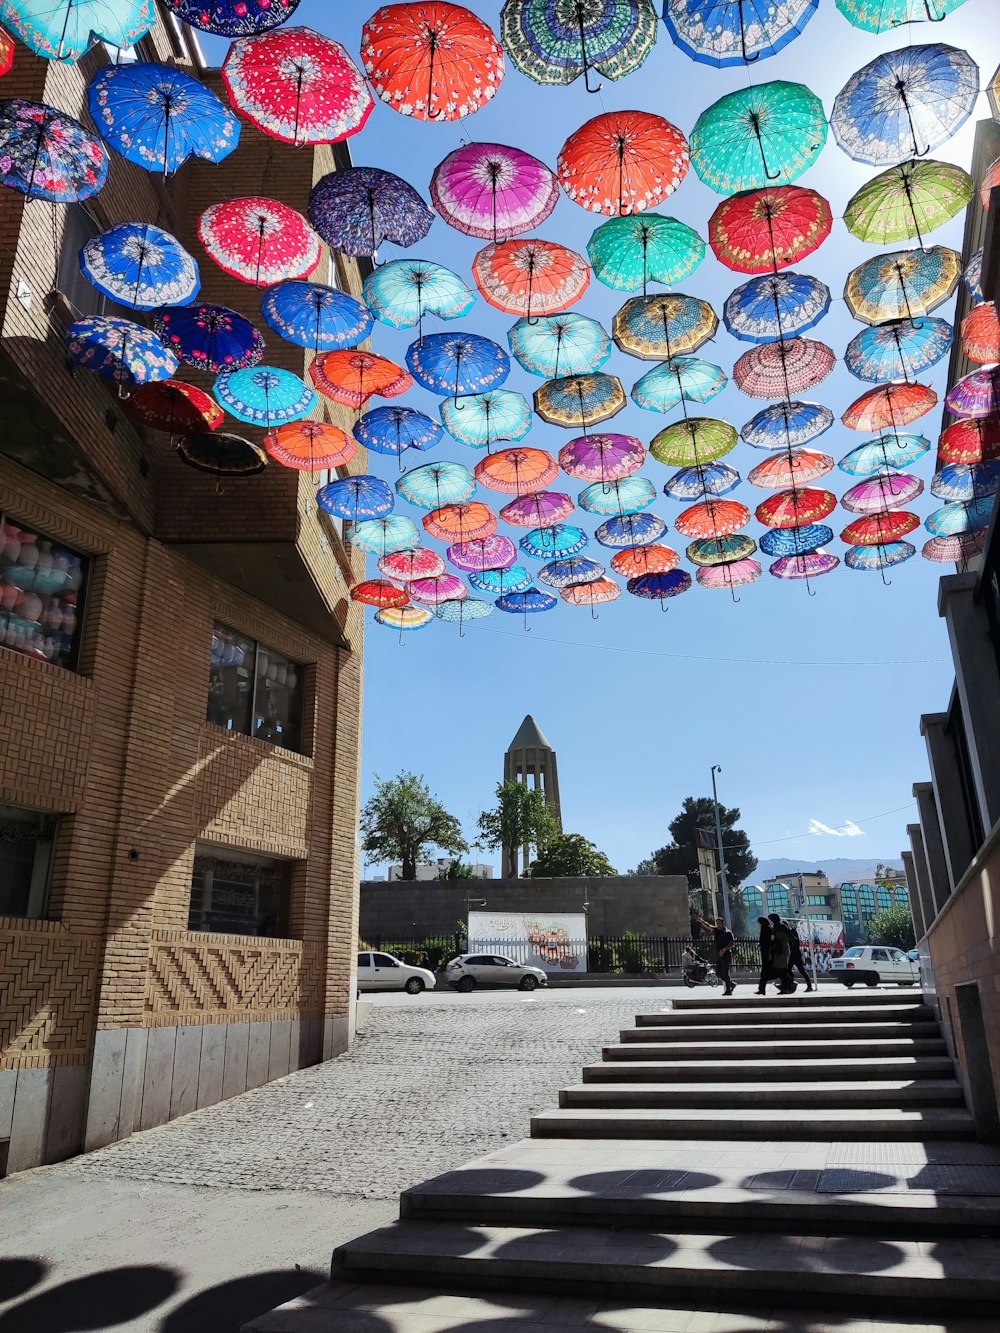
column 726, row 913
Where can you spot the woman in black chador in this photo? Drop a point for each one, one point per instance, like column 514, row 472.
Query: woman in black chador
column 766, row 948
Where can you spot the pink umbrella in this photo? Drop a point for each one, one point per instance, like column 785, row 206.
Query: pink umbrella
column 783, row 369
column 492, row 191
column 405, row 566
column 955, row 548
column 886, row 490
column 975, row 395
column 733, row 574
column 483, row 553
column 434, row 591
column 541, row 509
column 259, row 240
column 602, row 457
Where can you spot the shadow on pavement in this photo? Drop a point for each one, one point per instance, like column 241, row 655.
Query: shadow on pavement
column 19, row 1275
column 99, row 1300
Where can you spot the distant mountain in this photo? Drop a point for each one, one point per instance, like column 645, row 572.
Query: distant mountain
column 838, row 869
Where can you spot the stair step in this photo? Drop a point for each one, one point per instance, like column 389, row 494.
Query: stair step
column 736, row 1071
column 803, row 998
column 789, row 1050
column 751, row 1012
column 880, row 1092
column 753, row 1123
column 764, row 1031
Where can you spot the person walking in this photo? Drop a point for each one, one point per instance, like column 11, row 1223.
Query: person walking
column 796, row 963
column 781, row 955
column 766, row 942
column 724, row 945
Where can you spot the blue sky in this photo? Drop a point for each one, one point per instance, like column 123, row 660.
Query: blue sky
column 811, row 705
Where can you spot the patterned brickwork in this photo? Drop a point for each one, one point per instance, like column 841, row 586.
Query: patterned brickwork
column 48, row 993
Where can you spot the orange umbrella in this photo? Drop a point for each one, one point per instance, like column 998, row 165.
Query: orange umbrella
column 981, row 334
column 889, row 405
column 713, row 518
column 880, row 529
column 623, row 162
column 635, row 561
column 517, row 471
column 351, row 377
column 795, row 508
column 591, row 594
column 974, row 441
column 461, row 522
column 795, row 467
column 530, row 277
column 380, row 593
column 310, row 446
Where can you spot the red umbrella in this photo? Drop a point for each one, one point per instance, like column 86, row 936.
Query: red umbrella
column 634, row 561
column 173, row 407
column 351, row 377
column 517, row 470
column 879, row 529
column 784, row 368
column 420, row 563
column 623, row 162
column 6, row 53
column 310, row 446
column 761, row 231
column 974, row 441
column 981, row 334
column 889, row 405
column 713, row 518
column 380, row 593
column 791, row 467
column 795, row 508
column 259, row 240
column 530, row 277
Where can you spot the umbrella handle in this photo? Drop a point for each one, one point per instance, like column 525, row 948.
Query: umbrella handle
column 747, row 59
column 583, row 51
column 931, row 16
column 432, row 42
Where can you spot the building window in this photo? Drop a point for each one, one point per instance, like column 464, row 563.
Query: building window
column 26, row 842
column 41, row 594
column 238, row 893
column 817, row 900
column 254, row 690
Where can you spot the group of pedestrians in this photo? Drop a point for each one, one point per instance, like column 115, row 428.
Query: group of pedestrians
column 780, row 954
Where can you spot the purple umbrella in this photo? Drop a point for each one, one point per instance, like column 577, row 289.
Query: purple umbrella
column 434, row 591
column 540, row 510
column 492, row 191
column 602, row 457
column 975, row 395
column 807, row 566
column 886, row 490
column 483, row 553
column 356, row 210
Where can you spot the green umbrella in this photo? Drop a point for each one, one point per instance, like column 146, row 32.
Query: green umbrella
column 912, row 199
column 629, row 252
column 693, row 442
column 884, row 15
column 758, row 136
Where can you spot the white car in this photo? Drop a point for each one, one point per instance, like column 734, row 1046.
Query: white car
column 470, row 970
column 868, row 964
column 381, row 971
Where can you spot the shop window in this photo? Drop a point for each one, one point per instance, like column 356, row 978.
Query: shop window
column 41, row 594
column 238, row 893
column 254, row 690
column 26, row 841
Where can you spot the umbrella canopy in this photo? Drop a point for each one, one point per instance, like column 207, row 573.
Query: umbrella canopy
column 903, row 282
column 66, row 29
column 532, row 601
column 682, row 378
column 310, row 446
column 884, row 15
column 660, row 587
column 440, row 588
column 981, row 334
column 138, row 265
column 627, row 496
column 499, row 582
column 6, row 53
column 564, row 573
column 899, row 349
column 634, row 561
column 417, row 562
column 493, row 191
column 971, row 441
column 976, row 394
column 905, row 103
column 712, row 518
column 435, row 484
column 627, row 253
column 221, row 455
column 693, row 442
column 463, row 522
column 483, row 418
column 694, row 483
column 379, row 592
column 777, row 305
column 780, row 369
column 158, row 116
column 912, row 199
column 760, row 231
column 351, row 377
column 972, row 275
column 233, row 18
column 297, row 85
column 959, row 547
column 602, row 457
column 261, row 241
column 554, row 43
column 311, row 314
column 787, row 424
column 453, row 364
column 383, row 535
column 483, row 553
column 566, row 344
column 355, row 210
column 888, row 451
column 459, row 611
column 809, row 566
column 558, row 541
column 990, row 179
column 404, row 619
column 431, row 60
column 797, row 467
column 729, row 574
column 173, row 407
column 46, row 154
column 886, row 490
column 401, row 292
column 965, row 516
column 795, row 507
column 879, row 529
column 264, row 395
column 540, row 509
column 580, row 400
column 795, row 541
column 721, row 32
column 393, row 429
column 517, row 470
column 966, row 481
column 878, row 557
column 626, row 530
column 889, row 405
column 596, row 592
column 211, row 337
column 117, row 349
column 530, row 277
column 709, row 551
column 654, row 327
column 623, row 162
column 364, row 497
column 758, row 136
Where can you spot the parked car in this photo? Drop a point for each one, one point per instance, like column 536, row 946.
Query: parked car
column 470, row 970
column 381, row 971
column 868, row 964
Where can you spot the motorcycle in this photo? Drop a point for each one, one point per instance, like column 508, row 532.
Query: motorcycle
column 701, row 973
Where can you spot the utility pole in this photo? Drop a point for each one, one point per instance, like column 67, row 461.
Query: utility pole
column 727, row 915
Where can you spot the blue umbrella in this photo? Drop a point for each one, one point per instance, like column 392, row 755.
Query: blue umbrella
column 264, row 395
column 46, row 154
column 391, row 430
column 966, row 481
column 158, row 117
column 565, row 572
column 454, row 364
column 879, row 557
column 897, row 350
column 401, row 292
column 117, row 349
column 556, row 542
column 209, row 336
column 660, row 587
column 735, row 32
column 972, row 275
column 136, row 264
column 485, row 418
column 385, row 536
column 66, row 29
column 458, row 611
column 357, row 209
column 888, row 451
column 530, row 602
column 435, row 484
column 631, row 530
column 311, row 314
column 963, row 516
column 786, row 425
column 627, row 496
column 500, row 582
column 691, row 483
column 795, row 541
column 233, row 18
column 777, row 305
column 357, row 498
column 564, row 344
column 683, row 377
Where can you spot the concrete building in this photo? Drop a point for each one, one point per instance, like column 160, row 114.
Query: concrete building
column 181, row 675
column 530, row 758
column 431, row 870
column 805, row 893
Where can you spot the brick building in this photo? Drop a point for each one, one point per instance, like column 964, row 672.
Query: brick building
column 179, row 791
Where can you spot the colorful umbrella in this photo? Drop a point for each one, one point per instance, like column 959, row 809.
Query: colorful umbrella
column 431, row 60
column 454, row 364
column 401, row 292
column 158, row 116
column 679, row 379
column 540, row 509
column 435, row 484
column 760, row 231
column 735, row 32
column 46, row 154
column 173, row 407
column 966, row 516
column 627, row 253
column 660, row 587
column 710, row 551
column 884, row 15
column 795, row 507
column 712, row 518
column 898, row 349
column 958, row 548
column 380, row 593
column 555, row 542
column 499, row 582
column 459, row 611
column 602, row 457
column 417, row 562
column 461, row 522
column 889, row 405
column 66, row 29
column 492, row 191
column 809, row 566
column 221, row 455
column 441, row 588
column 796, row 467
column 554, row 43
column 351, row 377
column 729, row 574
column 912, row 199
column 517, row 470
column 976, row 394
column 989, row 181
column 310, row 446
column 777, row 305
column 664, row 326
column 393, row 429
column 623, row 162
column 627, row 496
column 482, row 554
column 634, row 561
column 264, row 395
column 888, row 451
column 972, row 275
column 903, row 282
column 693, row 442
column 971, row 441
column 758, row 136
column 138, row 265
column 786, row 424
column 886, row 490
column 879, row 529
column 981, row 334
column 233, row 18
column 482, row 419
column 259, row 240
column 905, row 103
column 580, row 400
column 404, row 618
column 210, row 337
column 572, row 570
column 795, row 541
column 630, row 530
column 966, row 481
column 298, row 86
column 879, row 557
column 363, row 497
column 566, row 344
column 382, row 535
column 532, row 601
column 117, row 349
column 779, row 369
column 694, row 483
column 530, row 277
column 594, row 593
column 355, row 210
column 311, row 314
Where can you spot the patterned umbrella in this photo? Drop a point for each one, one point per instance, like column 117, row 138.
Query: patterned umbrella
column 210, row 337
column 555, row 542
column 889, row 405
column 776, row 306
column 966, row 481
column 565, row 344
column 779, row 369
column 712, row 518
column 117, row 349
column 884, row 15
column 517, row 470
column 431, row 60
column 492, row 191
column 405, row 619
column 310, row 446
column 630, row 252
column 769, row 134
column 351, row 377
column 442, row 588
column 634, row 561
column 956, row 549
column 905, row 103
column 795, row 507
column 595, row 593
column 261, row 241
column 693, row 442
column 459, row 611
column 461, row 522
column 311, row 314
column 540, row 509
column 482, row 419
column 580, row 400
column 966, row 516
column 879, row 557
column 683, row 378
column 990, row 179
column 298, row 86
column 602, row 457
column 627, row 496
column 763, row 230
column 482, row 554
column 530, row 277
column 264, row 395
column 721, row 32
column 623, row 162
column 554, row 42
column 532, row 601
column 233, row 18
column 694, row 483
column 46, row 154
column 972, row 441
column 158, row 116
column 222, row 455
column 140, row 266
column 660, row 587
column 972, row 275
column 888, row 451
column 710, row 551
column 401, row 292
column 886, row 490
column 6, row 53
column 173, row 407
column 879, row 529
column 797, row 467
column 383, row 535
column 786, row 424
column 795, row 541
column 976, row 394
column 393, row 429
column 654, row 327
column 362, row 497
column 630, row 530
column 66, row 29
column 809, row 566
column 379, row 592
column 356, row 210
column 912, row 199
column 572, row 570
column 903, row 282
column 454, row 364
column 500, row 582
column 418, row 562
column 981, row 334
column 899, row 349
column 729, row 574
column 435, row 484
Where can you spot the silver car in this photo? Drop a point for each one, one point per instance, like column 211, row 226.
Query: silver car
column 470, row 970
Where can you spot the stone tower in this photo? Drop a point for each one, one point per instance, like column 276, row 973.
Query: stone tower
column 531, row 758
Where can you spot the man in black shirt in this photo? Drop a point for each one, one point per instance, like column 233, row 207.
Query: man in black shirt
column 724, row 944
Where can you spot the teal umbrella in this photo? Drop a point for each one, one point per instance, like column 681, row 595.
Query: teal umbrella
column 884, row 15
column 384, row 536
column 484, row 418
column 681, row 378
column 555, row 345
column 401, row 292
column 630, row 252
column 435, row 484
column 628, row 496
column 758, row 136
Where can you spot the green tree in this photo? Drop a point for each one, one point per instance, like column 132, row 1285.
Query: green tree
column 645, row 867
column 680, row 856
column 894, row 927
column 570, row 854
column 522, row 818
column 401, row 819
